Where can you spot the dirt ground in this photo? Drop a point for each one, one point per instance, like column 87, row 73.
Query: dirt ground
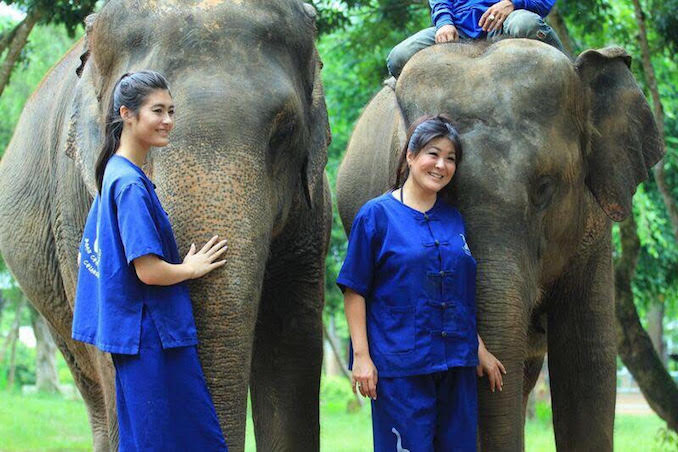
column 632, row 403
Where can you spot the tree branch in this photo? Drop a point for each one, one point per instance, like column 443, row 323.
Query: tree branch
column 558, row 23
column 7, row 37
column 651, row 79
column 634, row 346
column 16, row 45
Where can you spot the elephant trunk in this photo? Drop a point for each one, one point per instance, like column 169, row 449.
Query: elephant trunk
column 504, row 297
column 221, row 198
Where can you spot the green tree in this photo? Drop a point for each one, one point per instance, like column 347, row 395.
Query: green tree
column 70, row 13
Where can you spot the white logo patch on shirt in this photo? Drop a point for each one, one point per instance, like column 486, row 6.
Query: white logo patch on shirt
column 91, row 260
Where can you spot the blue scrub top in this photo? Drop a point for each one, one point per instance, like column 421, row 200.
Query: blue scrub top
column 418, row 279
column 465, row 14
column 125, row 222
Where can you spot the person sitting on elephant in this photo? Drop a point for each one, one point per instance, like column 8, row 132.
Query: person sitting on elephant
column 409, row 293
column 455, row 20
column 130, row 300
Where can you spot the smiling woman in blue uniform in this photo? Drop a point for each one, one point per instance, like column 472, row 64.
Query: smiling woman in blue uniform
column 409, row 295
column 130, row 299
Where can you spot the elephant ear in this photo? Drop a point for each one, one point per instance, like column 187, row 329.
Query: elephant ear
column 84, row 129
column 319, row 127
column 625, row 142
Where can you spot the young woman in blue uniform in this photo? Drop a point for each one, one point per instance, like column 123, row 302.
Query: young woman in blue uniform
column 130, row 299
column 409, row 296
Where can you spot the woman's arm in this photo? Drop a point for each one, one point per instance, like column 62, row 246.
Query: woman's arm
column 488, row 364
column 154, row 271
column 364, row 372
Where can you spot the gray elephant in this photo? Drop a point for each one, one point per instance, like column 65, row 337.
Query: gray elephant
column 246, row 160
column 552, row 151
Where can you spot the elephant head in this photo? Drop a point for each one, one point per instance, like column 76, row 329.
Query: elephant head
column 552, row 151
column 246, row 158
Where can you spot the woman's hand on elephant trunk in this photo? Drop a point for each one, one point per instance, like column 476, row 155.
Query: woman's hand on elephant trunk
column 154, row 271
column 205, row 260
column 489, row 365
column 364, row 376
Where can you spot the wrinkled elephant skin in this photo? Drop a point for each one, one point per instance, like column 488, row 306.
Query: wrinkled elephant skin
column 246, row 161
column 553, row 150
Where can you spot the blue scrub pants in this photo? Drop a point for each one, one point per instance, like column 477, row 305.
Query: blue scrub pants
column 424, row 413
column 163, row 402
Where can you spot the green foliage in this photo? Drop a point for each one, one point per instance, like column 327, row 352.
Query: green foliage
column 588, row 14
column 656, row 278
column 665, row 21
column 543, row 412
column 25, row 368
column 70, row 13
column 47, row 45
column 599, row 23
column 666, row 438
column 355, row 66
column 335, row 15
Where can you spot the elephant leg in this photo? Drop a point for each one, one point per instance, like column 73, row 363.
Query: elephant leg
column 582, row 356
column 287, row 355
column 286, row 363
column 99, row 398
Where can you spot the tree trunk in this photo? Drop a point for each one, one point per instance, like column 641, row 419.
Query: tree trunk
column 557, row 22
column 12, row 339
column 3, row 303
column 655, row 329
column 651, row 79
column 7, row 37
column 342, row 363
column 331, row 362
column 16, row 45
column 635, row 347
column 13, row 332
column 46, row 375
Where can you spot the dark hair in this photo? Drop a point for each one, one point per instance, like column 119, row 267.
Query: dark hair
column 421, row 132
column 131, row 91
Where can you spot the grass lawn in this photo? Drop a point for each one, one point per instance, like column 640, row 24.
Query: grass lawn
column 50, row 423
column 43, row 423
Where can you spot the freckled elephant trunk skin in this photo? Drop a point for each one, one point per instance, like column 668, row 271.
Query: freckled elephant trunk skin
column 226, row 301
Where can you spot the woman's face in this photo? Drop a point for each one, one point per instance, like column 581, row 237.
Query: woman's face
column 433, row 167
column 153, row 122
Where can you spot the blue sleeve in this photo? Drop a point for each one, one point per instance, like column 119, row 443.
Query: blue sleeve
column 358, row 269
column 541, row 7
column 138, row 231
column 441, row 12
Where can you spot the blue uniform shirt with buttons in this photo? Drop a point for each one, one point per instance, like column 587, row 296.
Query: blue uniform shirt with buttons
column 417, row 276
column 125, row 222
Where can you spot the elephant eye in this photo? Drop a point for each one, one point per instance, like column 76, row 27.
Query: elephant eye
column 542, row 192
column 282, row 135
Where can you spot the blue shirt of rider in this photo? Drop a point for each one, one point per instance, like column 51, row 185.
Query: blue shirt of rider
column 465, row 14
